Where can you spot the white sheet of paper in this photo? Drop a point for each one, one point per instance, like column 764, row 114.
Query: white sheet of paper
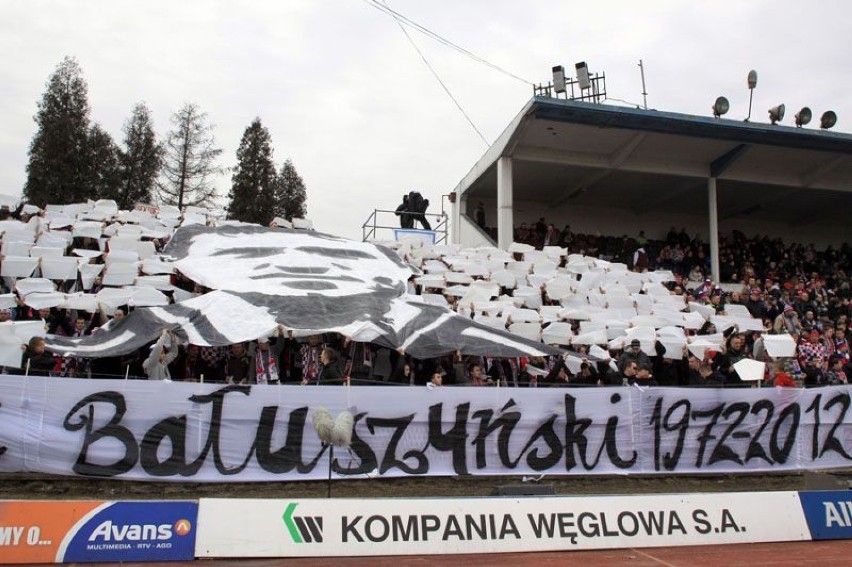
column 779, row 346
column 574, row 364
column 62, row 268
column 154, row 266
column 516, row 247
column 700, row 348
column 7, row 301
column 81, row 302
column 148, row 297
column 598, row 352
column 592, row 338
column 29, row 285
column 17, row 248
column 88, row 254
column 704, row 310
column 11, row 353
column 88, row 229
column 674, row 347
column 46, row 252
column 549, row 312
column 43, row 300
column 18, row 266
column 523, row 315
column 531, row 331
column 25, row 330
column 557, row 334
column 120, row 273
column 88, row 273
column 750, row 370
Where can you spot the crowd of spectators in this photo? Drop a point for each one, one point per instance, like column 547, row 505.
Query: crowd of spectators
column 792, row 289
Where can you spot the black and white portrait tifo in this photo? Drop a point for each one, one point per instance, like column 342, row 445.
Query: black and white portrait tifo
column 307, row 282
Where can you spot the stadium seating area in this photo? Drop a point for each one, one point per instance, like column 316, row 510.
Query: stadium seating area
column 630, row 310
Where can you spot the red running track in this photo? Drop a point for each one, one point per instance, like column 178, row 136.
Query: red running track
column 793, row 554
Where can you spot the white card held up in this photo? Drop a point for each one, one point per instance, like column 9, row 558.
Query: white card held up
column 519, row 247
column 62, row 268
column 88, row 273
column 18, row 266
column 705, row 311
column 16, row 248
column 80, row 301
column 44, row 300
column 7, row 301
column 11, row 353
column 779, row 346
column 531, row 331
column 30, row 285
column 557, row 334
column 598, row 352
column 25, row 330
column 750, row 370
column 88, row 229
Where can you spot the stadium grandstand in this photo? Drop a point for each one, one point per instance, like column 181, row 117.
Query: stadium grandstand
column 611, row 171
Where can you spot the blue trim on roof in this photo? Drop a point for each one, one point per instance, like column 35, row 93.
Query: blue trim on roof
column 608, row 116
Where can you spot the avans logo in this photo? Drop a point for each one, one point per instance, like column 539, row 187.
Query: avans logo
column 108, row 531
column 183, row 527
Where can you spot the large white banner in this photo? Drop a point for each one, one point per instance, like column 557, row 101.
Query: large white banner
column 205, row 432
column 347, row 527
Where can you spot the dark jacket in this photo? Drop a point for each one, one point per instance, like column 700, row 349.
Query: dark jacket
column 40, row 364
column 330, row 375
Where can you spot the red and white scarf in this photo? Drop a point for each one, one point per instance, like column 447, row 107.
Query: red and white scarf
column 268, row 373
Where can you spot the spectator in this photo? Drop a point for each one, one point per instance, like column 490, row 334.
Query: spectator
column 403, row 212
column 37, row 362
column 479, row 216
column 238, row 365
column 633, row 354
column 835, row 375
column 330, row 370
column 156, row 366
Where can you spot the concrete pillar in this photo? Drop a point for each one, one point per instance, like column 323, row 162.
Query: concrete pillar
column 505, row 229
column 458, row 207
column 714, row 228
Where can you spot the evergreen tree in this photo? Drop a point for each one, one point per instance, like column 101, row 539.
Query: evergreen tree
column 55, row 172
column 189, row 161
column 101, row 160
column 254, row 180
column 291, row 196
column 140, row 160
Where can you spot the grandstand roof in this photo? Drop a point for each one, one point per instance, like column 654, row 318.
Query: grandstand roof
column 588, row 154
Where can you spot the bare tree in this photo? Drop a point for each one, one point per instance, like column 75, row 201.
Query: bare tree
column 189, row 164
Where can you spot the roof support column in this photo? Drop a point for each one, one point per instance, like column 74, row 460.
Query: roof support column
column 714, row 228
column 505, row 228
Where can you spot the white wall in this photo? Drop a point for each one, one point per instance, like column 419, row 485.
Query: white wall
column 470, row 235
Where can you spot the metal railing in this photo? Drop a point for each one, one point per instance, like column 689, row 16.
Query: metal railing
column 387, row 221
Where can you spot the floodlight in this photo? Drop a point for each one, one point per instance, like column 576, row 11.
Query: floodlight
column 583, row 75
column 721, row 106
column 803, row 116
column 776, row 113
column 558, row 79
column 752, row 83
column 752, row 79
column 829, row 119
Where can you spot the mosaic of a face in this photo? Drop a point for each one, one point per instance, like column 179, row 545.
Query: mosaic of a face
column 278, row 262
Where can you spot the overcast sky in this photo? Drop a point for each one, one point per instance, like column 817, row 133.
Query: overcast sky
column 348, row 99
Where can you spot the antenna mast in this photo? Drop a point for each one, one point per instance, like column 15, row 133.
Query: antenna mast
column 644, row 91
